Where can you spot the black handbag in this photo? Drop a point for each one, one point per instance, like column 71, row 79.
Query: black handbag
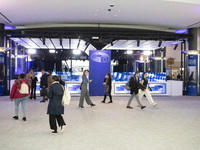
column 81, row 85
column 43, row 92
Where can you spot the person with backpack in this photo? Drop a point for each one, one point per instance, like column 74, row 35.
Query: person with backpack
column 20, row 92
column 135, row 85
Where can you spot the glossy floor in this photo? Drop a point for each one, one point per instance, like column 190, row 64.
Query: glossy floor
column 172, row 125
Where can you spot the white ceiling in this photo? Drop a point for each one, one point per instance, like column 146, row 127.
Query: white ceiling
column 153, row 13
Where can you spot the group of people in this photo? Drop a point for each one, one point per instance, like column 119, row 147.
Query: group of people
column 55, row 87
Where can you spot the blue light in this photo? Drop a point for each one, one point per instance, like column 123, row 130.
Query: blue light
column 182, row 31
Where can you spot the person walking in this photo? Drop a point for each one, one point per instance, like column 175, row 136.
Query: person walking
column 43, row 85
column 33, row 86
column 55, row 107
column 18, row 97
column 135, row 85
column 108, row 85
column 84, row 90
column 144, row 82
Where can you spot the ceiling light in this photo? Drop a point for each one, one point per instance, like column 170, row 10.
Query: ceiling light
column 52, row 51
column 95, row 37
column 138, row 43
column 76, row 52
column 43, row 41
column 31, row 51
column 129, row 52
column 147, row 53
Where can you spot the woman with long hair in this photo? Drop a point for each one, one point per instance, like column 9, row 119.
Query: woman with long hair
column 84, row 90
column 33, row 86
column 144, row 82
column 108, row 85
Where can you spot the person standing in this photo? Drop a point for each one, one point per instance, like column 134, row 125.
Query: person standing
column 49, row 79
column 144, row 82
column 28, row 77
column 18, row 97
column 84, row 90
column 135, row 85
column 108, row 85
column 55, row 107
column 61, row 81
column 44, row 84
column 33, row 86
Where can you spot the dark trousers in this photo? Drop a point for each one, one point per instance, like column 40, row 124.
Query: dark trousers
column 33, row 92
column 52, row 121
column 106, row 96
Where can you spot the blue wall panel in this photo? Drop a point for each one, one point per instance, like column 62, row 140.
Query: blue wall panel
column 99, row 65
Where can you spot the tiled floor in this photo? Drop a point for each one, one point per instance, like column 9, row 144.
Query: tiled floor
column 172, row 125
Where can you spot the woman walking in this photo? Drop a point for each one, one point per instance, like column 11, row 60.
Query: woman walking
column 55, row 108
column 108, row 85
column 135, row 85
column 33, row 86
column 144, row 82
column 18, row 97
column 84, row 90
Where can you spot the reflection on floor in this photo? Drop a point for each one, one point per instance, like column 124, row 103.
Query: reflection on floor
column 172, row 125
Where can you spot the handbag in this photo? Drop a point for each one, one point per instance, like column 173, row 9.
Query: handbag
column 43, row 92
column 127, row 87
column 81, row 85
column 66, row 98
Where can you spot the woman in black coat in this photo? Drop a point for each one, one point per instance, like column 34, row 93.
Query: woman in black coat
column 55, row 107
column 33, row 86
column 108, row 85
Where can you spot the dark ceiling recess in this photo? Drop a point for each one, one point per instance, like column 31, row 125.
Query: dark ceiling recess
column 106, row 35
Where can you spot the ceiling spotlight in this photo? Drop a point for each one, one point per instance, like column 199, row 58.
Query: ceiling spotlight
column 138, row 43
column 76, row 52
column 160, row 43
column 31, row 51
column 111, row 43
column 175, row 47
column 147, row 53
column 60, row 41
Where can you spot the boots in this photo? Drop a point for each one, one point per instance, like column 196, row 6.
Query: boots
column 110, row 99
column 104, row 99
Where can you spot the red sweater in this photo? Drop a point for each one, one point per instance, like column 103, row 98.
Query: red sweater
column 15, row 90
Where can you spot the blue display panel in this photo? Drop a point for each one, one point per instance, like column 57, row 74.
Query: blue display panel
column 74, row 88
column 119, row 88
column 151, row 76
column 157, row 88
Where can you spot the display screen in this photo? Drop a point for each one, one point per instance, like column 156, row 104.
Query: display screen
column 120, row 88
column 157, row 88
column 74, row 88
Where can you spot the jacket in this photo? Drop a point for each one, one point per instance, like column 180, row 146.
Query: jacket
column 55, row 94
column 135, row 85
column 16, row 87
column 43, row 81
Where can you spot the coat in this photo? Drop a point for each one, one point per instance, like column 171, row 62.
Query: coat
column 135, row 85
column 49, row 81
column 55, row 94
column 43, row 81
column 15, row 89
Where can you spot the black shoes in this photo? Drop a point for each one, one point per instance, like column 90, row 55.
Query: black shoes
column 24, row 118
column 143, row 107
column 55, row 131
column 110, row 102
column 92, row 105
column 15, row 117
column 103, row 101
column 129, row 107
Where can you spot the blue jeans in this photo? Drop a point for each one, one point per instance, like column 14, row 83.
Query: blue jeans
column 23, row 102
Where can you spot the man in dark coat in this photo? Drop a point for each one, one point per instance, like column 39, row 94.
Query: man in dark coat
column 55, row 107
column 43, row 85
column 135, row 85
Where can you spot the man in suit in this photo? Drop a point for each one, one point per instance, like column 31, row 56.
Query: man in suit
column 135, row 85
column 44, row 84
